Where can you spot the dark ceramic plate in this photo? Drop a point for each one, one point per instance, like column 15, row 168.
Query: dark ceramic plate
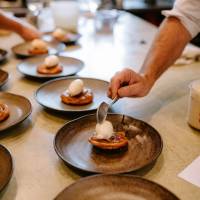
column 19, row 107
column 3, row 77
column 70, row 66
column 6, row 167
column 52, row 90
column 72, row 146
column 22, row 49
column 3, row 55
column 73, row 39
column 115, row 187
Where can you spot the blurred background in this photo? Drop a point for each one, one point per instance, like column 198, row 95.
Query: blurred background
column 149, row 10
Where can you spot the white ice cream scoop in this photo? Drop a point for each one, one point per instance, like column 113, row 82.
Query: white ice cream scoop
column 76, row 87
column 104, row 130
column 51, row 61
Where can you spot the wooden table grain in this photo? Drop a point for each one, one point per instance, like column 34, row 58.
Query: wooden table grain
column 39, row 173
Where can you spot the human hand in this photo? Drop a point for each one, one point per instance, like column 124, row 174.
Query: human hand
column 128, row 83
column 28, row 33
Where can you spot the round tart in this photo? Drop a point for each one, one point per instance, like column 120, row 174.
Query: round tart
column 43, row 69
column 117, row 141
column 38, row 51
column 83, row 98
column 61, row 39
column 4, row 112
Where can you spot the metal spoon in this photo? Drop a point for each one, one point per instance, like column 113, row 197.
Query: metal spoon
column 103, row 110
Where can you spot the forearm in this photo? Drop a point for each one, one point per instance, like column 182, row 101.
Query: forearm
column 166, row 48
column 24, row 30
column 10, row 24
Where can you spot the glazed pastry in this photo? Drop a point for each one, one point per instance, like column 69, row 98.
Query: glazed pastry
column 106, row 138
column 4, row 112
column 50, row 66
column 76, row 94
column 38, row 47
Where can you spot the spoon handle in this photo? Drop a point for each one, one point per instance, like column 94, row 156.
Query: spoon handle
column 113, row 101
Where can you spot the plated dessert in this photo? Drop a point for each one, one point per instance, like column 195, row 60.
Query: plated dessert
column 77, row 94
column 106, row 155
column 88, row 98
column 46, row 67
column 13, row 110
column 38, row 47
column 60, row 35
column 50, row 65
column 4, row 112
column 106, row 138
column 65, row 36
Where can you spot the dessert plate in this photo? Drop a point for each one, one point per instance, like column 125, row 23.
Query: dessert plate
column 70, row 67
column 52, row 91
column 22, row 49
column 112, row 187
column 72, row 146
column 19, row 108
column 72, row 39
column 6, row 167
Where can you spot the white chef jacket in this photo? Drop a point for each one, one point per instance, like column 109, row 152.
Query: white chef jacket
column 188, row 12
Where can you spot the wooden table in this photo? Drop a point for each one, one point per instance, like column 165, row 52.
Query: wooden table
column 39, row 173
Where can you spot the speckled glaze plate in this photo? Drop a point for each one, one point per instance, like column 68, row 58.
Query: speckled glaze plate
column 72, row 146
column 3, row 77
column 6, row 167
column 70, row 66
column 52, row 90
column 22, row 49
column 19, row 108
column 115, row 187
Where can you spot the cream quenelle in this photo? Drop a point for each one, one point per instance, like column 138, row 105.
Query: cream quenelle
column 76, row 87
column 51, row 61
column 104, row 130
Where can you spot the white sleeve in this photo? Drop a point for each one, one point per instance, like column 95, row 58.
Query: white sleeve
column 188, row 12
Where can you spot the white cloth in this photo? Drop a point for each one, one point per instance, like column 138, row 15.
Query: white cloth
column 188, row 12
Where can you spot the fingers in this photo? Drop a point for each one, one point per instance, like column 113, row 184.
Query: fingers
column 133, row 90
column 109, row 93
column 30, row 33
column 34, row 34
column 125, row 77
column 137, row 89
column 115, row 85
